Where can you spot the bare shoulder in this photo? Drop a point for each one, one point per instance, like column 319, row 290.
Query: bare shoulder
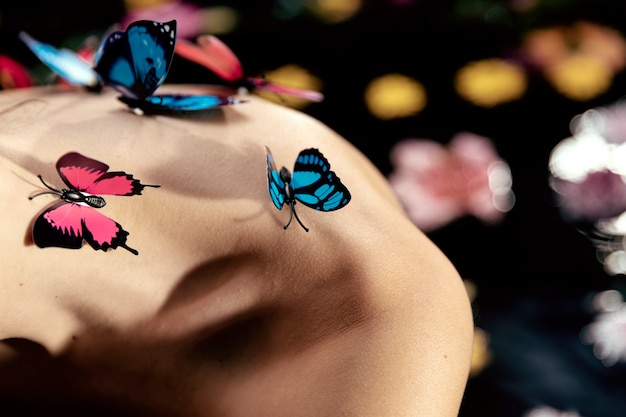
column 361, row 315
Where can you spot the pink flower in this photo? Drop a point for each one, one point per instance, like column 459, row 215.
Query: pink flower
column 437, row 183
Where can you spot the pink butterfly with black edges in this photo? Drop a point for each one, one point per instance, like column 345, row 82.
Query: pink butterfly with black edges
column 212, row 53
column 68, row 222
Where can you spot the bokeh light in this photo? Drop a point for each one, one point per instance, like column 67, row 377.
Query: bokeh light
column 574, row 158
column 481, row 355
column 607, row 332
column 588, row 176
column 334, row 11
column 580, row 77
column 615, row 262
column 395, row 96
column 545, row 47
column 579, row 60
column 140, row 4
column 490, row 82
column 500, row 183
column 218, row 20
column 588, row 168
column 546, row 411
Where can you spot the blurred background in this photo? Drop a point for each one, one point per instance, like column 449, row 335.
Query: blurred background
column 500, row 126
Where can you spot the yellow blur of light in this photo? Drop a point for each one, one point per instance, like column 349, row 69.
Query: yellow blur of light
column 334, row 11
column 395, row 96
column 292, row 76
column 138, row 4
column 580, row 76
column 218, row 20
column 481, row 355
column 490, row 82
column 579, row 60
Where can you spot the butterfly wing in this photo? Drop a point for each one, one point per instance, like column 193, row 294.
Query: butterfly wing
column 92, row 47
column 59, row 225
column 67, row 64
column 113, row 64
column 80, row 172
column 66, row 225
column 151, row 46
column 102, row 232
column 315, row 185
column 275, row 182
column 136, row 61
column 179, row 102
column 213, row 54
column 261, row 84
column 86, row 174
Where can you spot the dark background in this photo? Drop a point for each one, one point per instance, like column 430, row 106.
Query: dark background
column 534, row 272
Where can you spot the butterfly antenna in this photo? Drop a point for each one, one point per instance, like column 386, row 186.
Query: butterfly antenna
column 131, row 250
column 292, row 214
column 52, row 189
column 290, row 217
column 306, row 229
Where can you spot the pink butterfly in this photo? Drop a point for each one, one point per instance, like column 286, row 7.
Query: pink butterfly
column 68, row 222
column 212, row 53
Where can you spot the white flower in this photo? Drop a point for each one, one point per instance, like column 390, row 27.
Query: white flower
column 607, row 332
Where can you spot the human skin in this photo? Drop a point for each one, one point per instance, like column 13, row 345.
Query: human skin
column 223, row 312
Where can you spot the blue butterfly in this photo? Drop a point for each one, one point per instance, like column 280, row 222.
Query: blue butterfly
column 136, row 62
column 64, row 62
column 312, row 183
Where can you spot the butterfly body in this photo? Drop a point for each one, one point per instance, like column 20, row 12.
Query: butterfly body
column 75, row 218
column 75, row 196
column 311, row 183
column 135, row 62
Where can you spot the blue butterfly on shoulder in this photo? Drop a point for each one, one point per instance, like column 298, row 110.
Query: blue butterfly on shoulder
column 136, row 62
column 312, row 183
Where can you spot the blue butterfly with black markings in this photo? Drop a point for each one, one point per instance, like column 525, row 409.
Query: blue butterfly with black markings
column 312, row 183
column 136, row 62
